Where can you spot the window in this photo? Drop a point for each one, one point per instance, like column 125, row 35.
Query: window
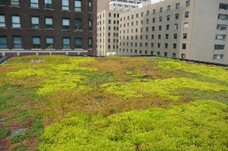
column 187, row 3
column 173, row 55
column 49, row 42
column 185, row 25
column 221, row 26
column 153, row 20
column 159, row 36
column 154, row 11
column 36, row 42
column 161, row 9
column 34, row 3
column 223, row 6
column 48, row 23
column 78, row 42
column 177, row 16
column 185, row 35
column 167, row 27
column 217, row 56
column 2, row 21
column 2, row 2
column 160, row 18
column 165, row 54
column 78, row 24
column 142, row 14
column 186, row 14
column 158, row 53
column 166, row 45
column 223, row 16
column 65, row 4
column 66, row 43
column 219, row 47
column 16, row 23
column 153, row 28
column 3, row 42
column 147, row 13
column 66, row 23
column 160, row 27
column 90, row 5
column 183, row 46
column 174, row 46
column 220, row 37
column 35, row 22
column 177, row 5
column 168, row 8
column 166, row 36
column 182, row 56
column 168, row 17
column 175, row 26
column 78, row 5
column 48, row 4
column 14, row 3
column 174, row 36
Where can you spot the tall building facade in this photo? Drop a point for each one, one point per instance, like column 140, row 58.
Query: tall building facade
column 188, row 29
column 39, row 27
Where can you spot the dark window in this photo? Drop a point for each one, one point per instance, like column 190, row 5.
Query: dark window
column 159, row 45
column 167, row 27
column 78, row 42
column 167, row 36
column 174, row 46
column 183, row 56
column 175, row 36
column 221, row 26
column 177, row 16
column 166, row 45
column 3, row 42
column 219, row 47
column 35, row 22
column 160, row 18
column 223, row 16
column 90, row 43
column 48, row 3
column 185, row 35
column 48, row 23
column 168, row 17
column 173, row 55
column 177, row 5
column 161, row 9
column 159, row 36
column 2, row 2
column 17, row 43
column 66, row 43
column 78, row 24
column 90, row 9
column 36, row 42
column 186, row 14
column 187, row 3
column 223, row 6
column 49, row 42
column 34, row 3
column 66, row 23
column 78, row 5
column 168, row 8
column 220, row 37
column 165, row 54
column 15, row 3
column 154, row 11
column 218, row 56
column 183, row 46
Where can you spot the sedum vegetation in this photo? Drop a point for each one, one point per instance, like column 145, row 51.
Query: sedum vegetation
column 113, row 103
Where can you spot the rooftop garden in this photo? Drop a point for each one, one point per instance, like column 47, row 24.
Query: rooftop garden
column 53, row 103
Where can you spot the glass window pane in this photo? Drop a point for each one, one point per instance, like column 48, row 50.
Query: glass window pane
column 36, row 40
column 65, row 2
column 17, row 42
column 49, row 40
column 49, row 21
column 35, row 20
column 3, row 42
column 66, row 41
column 66, row 22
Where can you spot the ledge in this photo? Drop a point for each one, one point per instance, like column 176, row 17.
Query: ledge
column 34, row 8
column 65, row 30
column 35, row 29
column 65, row 11
column 14, row 6
column 16, row 28
column 3, row 27
column 49, row 9
column 49, row 29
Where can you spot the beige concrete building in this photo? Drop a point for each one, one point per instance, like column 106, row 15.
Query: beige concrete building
column 108, row 25
column 188, row 29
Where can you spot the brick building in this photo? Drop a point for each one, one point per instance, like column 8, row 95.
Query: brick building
column 38, row 27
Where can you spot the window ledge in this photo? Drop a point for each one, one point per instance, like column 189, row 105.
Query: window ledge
column 2, row 5
column 35, row 28
column 36, row 49
column 34, row 8
column 51, row 29
column 78, row 30
column 66, row 49
column 14, row 49
column 65, row 30
column 3, row 27
column 4, row 48
column 78, row 49
column 49, row 9
column 15, row 6
column 16, row 28
column 50, row 49
column 78, row 11
column 90, row 12
column 65, row 10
